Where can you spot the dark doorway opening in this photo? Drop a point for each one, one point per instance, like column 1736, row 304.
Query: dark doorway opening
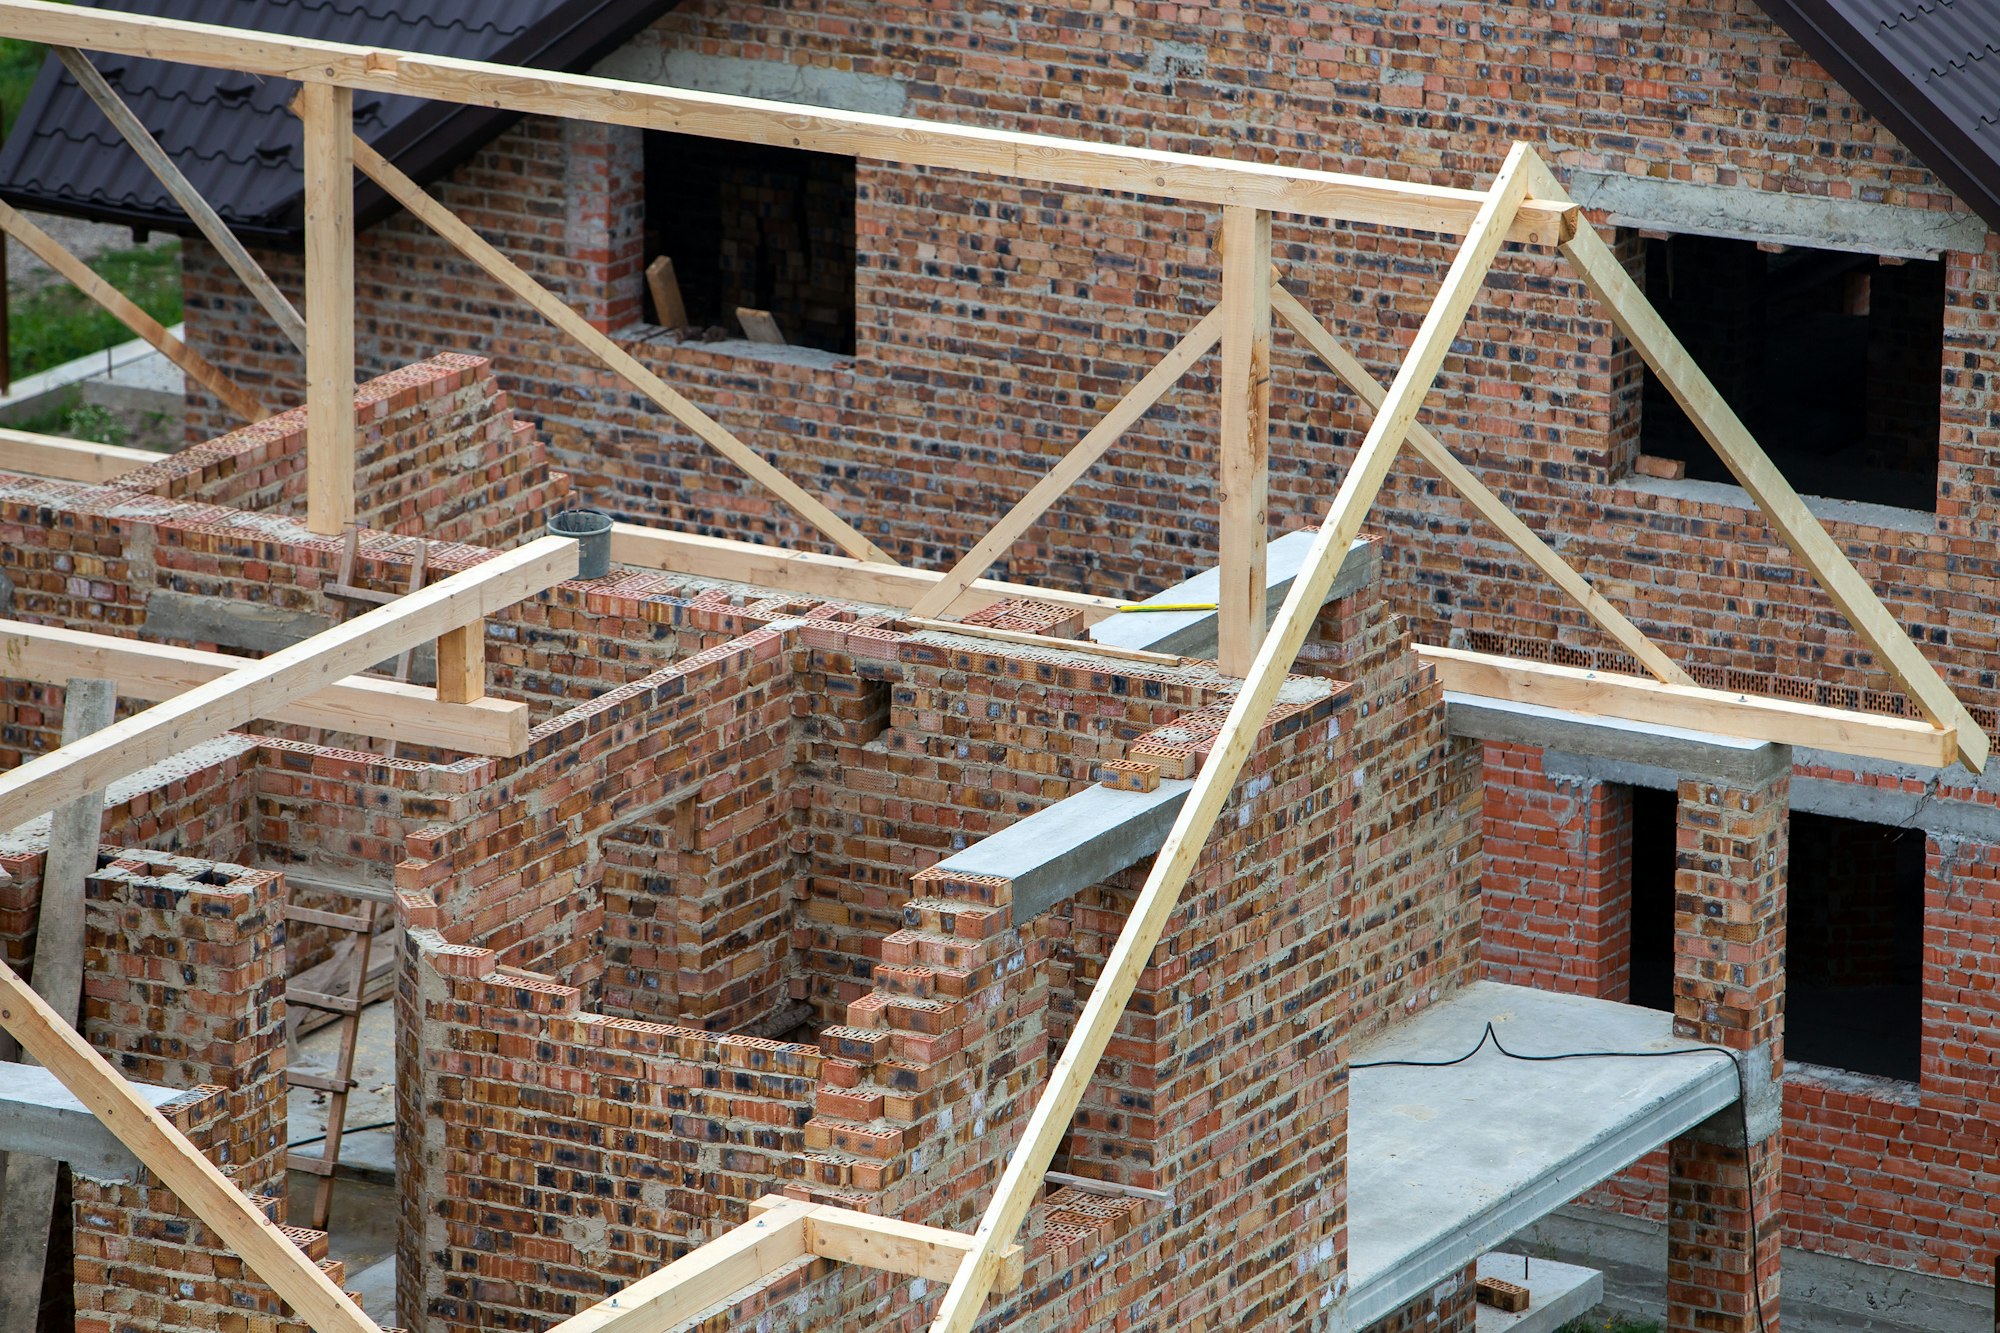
column 770, row 229
column 1834, row 361
column 1653, row 821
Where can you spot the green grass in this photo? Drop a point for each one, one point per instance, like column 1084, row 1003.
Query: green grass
column 19, row 62
column 60, row 323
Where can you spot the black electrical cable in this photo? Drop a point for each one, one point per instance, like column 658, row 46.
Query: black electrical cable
column 356, row 1129
column 1490, row 1035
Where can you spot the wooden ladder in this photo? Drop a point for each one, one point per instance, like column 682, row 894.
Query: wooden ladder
column 352, row 597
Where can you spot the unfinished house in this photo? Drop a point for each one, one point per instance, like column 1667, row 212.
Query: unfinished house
column 1231, row 728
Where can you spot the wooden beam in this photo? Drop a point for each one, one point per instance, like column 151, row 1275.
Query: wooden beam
column 1049, row 1123
column 208, row 710
column 1023, row 157
column 29, row 1201
column 69, row 460
column 889, row 1243
column 1483, row 501
column 328, row 117
column 809, row 573
column 1244, row 474
column 208, row 1194
column 740, row 1257
column 552, row 308
column 1738, row 449
column 461, row 664
column 1751, row 717
column 197, row 208
column 1135, row 403
column 79, row 274
column 363, row 705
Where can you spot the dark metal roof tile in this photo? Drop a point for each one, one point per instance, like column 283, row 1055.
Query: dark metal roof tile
column 231, row 133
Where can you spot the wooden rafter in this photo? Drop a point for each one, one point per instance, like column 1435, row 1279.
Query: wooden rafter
column 80, row 275
column 195, row 1181
column 1488, row 505
column 552, row 308
column 1738, row 449
column 1050, row 1120
column 362, row 705
column 1025, row 157
column 1610, row 694
column 780, row 1231
column 260, row 687
column 197, row 208
column 1135, row 403
column 40, row 455
column 830, row 576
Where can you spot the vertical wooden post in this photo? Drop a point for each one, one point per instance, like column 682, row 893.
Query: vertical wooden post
column 461, row 664
column 328, row 114
column 1246, row 450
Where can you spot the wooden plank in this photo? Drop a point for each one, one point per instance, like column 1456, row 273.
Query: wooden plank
column 362, row 705
column 1050, row 641
column 1025, row 157
column 552, row 308
column 669, row 312
column 1752, row 717
column 1244, row 473
column 197, row 208
column 812, row 574
column 1738, row 449
column 1135, row 403
column 1483, row 501
column 328, row 116
column 461, row 664
column 29, row 1202
column 912, row 1249
column 208, row 1194
column 79, row 274
column 1048, row 1125
column 208, row 710
column 39, row 455
column 758, row 326
column 738, row 1258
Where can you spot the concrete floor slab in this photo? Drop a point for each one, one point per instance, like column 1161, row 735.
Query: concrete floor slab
column 40, row 1117
column 372, row 1153
column 1446, row 1163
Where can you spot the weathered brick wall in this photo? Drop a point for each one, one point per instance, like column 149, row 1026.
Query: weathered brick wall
column 1556, row 891
column 145, row 1264
column 438, row 454
column 992, row 321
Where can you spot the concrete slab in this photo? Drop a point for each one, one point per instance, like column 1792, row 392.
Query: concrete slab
column 1081, row 840
column 1674, row 750
column 1446, row 1163
column 1193, row 633
column 38, row 1116
column 1557, row 1293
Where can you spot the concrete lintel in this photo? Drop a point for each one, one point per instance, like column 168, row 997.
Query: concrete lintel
column 1081, row 840
column 1738, row 212
column 1445, row 1163
column 1762, row 1113
column 39, row 1117
column 180, row 617
column 1586, row 742
column 1193, row 633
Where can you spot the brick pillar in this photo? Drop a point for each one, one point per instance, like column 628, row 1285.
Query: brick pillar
column 1729, row 983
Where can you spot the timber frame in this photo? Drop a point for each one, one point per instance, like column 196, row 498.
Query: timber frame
column 1525, row 204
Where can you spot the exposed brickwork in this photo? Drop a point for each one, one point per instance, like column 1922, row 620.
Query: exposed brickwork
column 1557, row 884
column 1724, row 1223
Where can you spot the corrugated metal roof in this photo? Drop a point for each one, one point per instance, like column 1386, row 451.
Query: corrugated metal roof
column 230, row 133
column 1927, row 69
